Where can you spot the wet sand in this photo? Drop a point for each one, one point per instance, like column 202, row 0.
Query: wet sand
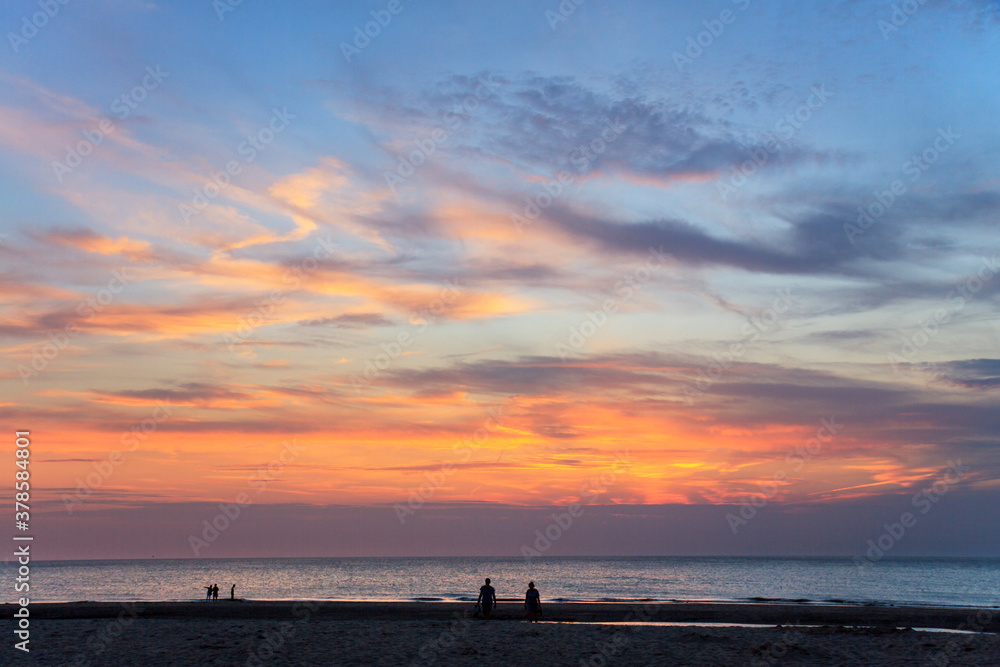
column 414, row 633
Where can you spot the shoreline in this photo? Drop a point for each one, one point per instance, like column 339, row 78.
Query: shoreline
column 752, row 613
column 554, row 601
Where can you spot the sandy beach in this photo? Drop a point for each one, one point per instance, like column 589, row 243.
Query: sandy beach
column 411, row 633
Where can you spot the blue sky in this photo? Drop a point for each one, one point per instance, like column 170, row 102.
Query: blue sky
column 285, row 276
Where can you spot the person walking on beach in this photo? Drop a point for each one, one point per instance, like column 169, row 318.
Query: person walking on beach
column 487, row 599
column 208, row 592
column 215, row 591
column 232, row 592
column 532, row 603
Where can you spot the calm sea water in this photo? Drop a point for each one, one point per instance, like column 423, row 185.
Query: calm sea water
column 963, row 582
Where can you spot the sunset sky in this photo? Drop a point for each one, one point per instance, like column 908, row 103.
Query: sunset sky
column 414, row 292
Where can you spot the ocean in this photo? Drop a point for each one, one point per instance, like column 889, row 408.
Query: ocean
column 921, row 581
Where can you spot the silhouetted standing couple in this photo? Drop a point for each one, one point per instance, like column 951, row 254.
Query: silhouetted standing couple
column 487, row 601
column 212, row 592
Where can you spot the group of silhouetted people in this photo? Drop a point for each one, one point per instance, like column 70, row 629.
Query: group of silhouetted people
column 487, row 601
column 212, row 592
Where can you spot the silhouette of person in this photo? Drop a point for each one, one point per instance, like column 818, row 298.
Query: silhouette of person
column 532, row 603
column 232, row 592
column 208, row 592
column 487, row 599
column 215, row 592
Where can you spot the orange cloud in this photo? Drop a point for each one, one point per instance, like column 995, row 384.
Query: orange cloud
column 103, row 245
column 303, row 190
